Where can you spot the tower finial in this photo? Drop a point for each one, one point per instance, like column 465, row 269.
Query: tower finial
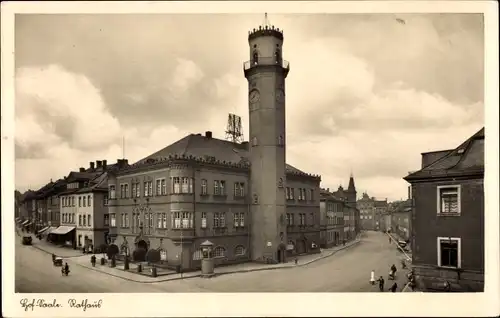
column 266, row 20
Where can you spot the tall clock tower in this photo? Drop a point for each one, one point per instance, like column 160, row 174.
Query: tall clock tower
column 266, row 72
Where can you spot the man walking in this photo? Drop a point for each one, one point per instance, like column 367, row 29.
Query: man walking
column 394, row 287
column 381, row 283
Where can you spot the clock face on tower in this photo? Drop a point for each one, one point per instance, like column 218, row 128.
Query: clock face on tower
column 254, row 96
column 280, row 96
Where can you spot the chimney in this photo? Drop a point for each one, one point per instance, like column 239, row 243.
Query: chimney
column 99, row 163
column 328, row 190
column 82, row 169
column 104, row 164
column 122, row 163
column 208, row 134
column 92, row 165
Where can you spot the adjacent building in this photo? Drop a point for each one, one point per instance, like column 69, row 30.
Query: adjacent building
column 401, row 221
column 372, row 213
column 447, row 223
column 332, row 211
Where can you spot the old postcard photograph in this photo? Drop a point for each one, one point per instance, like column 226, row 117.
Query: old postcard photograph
column 194, row 157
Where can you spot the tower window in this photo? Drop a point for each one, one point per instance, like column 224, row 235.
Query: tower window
column 255, row 58
column 277, row 56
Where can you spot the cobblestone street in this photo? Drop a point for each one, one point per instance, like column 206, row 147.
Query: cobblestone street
column 346, row 271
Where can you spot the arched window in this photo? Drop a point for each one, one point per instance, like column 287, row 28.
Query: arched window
column 254, row 141
column 255, row 58
column 197, row 255
column 277, row 56
column 219, row 251
column 239, row 250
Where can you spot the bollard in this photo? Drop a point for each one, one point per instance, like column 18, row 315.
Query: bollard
column 126, row 265
column 139, row 268
column 154, row 272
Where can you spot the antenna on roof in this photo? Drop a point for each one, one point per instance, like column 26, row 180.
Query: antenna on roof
column 234, row 132
column 123, row 148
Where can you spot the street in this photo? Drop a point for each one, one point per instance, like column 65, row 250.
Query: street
column 346, row 271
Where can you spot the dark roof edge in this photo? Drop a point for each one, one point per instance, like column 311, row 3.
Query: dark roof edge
column 447, row 150
column 428, row 177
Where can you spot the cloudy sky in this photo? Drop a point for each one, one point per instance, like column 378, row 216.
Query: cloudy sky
column 365, row 93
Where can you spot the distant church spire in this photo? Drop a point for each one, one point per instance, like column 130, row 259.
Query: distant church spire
column 351, row 186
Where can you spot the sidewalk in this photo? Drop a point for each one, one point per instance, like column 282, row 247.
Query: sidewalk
column 132, row 275
column 50, row 248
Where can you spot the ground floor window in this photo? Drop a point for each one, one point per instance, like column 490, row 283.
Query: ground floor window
column 219, row 251
column 197, row 255
column 449, row 251
column 239, row 250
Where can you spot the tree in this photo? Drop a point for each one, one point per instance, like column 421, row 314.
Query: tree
column 104, row 248
column 153, row 256
column 112, row 251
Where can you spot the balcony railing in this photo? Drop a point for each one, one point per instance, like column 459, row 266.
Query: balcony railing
column 266, row 61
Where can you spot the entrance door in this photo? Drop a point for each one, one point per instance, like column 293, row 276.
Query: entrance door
column 301, row 246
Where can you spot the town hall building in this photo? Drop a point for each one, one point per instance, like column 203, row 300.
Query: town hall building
column 243, row 197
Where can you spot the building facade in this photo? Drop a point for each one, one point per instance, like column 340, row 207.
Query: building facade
column 447, row 225
column 401, row 221
column 372, row 213
column 332, row 211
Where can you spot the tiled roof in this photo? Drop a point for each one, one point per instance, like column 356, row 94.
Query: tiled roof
column 197, row 145
column 468, row 157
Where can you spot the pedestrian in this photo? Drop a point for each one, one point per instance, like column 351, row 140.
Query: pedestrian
column 394, row 287
column 389, row 240
column 381, row 283
column 296, row 260
column 372, row 277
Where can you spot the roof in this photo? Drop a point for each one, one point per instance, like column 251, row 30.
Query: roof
column 198, row 146
column 404, row 206
column 380, row 204
column 466, row 159
column 325, row 195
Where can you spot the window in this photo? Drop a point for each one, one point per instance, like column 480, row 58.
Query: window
column 219, row 187
column 134, row 189
column 289, row 219
column 159, row 219
column 72, row 201
column 449, row 252
column 151, row 221
column 89, row 200
column 158, row 187
column 255, row 58
column 204, row 187
column 236, row 217
column 203, row 220
column 242, row 219
column 79, row 201
column 84, row 201
column 148, row 188
column 106, row 200
column 219, row 251
column 187, row 221
column 239, row 250
column 176, row 185
column 122, row 221
column 185, row 185
column 289, row 193
column 122, row 191
column 164, row 216
column 73, row 218
column 106, row 220
column 302, row 219
column 113, row 219
column 197, row 255
column 84, row 220
column 89, row 220
column 312, row 194
column 177, row 220
column 79, row 220
column 448, row 200
column 239, row 189
column 112, row 192
column 219, row 219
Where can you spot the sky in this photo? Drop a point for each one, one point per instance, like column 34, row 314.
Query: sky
column 366, row 93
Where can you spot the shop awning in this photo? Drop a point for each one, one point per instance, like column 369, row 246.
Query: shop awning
column 63, row 229
column 26, row 222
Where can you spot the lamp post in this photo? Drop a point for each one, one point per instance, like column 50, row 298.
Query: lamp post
column 182, row 248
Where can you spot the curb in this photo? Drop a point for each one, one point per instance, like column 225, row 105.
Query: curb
column 408, row 258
